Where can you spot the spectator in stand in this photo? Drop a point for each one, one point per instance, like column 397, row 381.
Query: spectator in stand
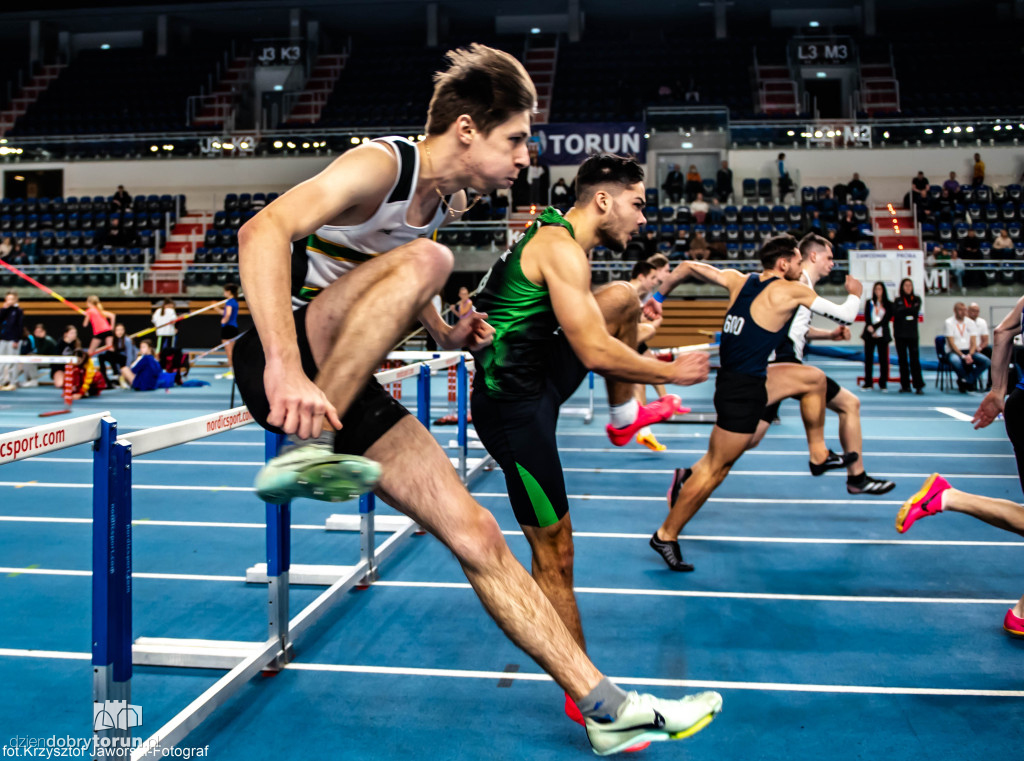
column 12, row 320
column 163, row 319
column 464, row 305
column 978, row 171
column 36, row 343
column 942, row 207
column 5, row 248
column 723, row 183
column 673, row 185
column 117, row 236
column 679, row 246
column 839, row 250
column 693, row 183
column 956, row 271
column 904, row 329
column 814, row 224
column 121, row 354
column 66, row 347
column 650, row 242
column 877, row 316
column 560, row 195
column 699, row 209
column 537, row 176
column 951, row 185
column 785, row 183
column 919, row 191
column 144, row 371
column 849, row 229
column 18, row 257
column 970, row 246
column 699, row 249
column 1002, row 243
column 857, row 189
column 121, row 200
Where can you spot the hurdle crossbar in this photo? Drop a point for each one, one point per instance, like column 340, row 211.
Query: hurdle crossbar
column 38, row 359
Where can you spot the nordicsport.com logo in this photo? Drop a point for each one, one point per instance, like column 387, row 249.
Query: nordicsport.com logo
column 108, row 715
column 224, row 422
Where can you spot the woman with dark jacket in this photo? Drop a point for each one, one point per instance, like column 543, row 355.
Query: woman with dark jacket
column 904, row 330
column 877, row 314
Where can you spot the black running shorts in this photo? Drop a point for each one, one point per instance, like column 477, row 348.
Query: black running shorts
column 520, row 435
column 740, row 401
column 371, row 414
column 228, row 332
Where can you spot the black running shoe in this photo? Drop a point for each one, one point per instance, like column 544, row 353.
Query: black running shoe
column 832, row 462
column 678, row 479
column 870, row 486
column 670, row 553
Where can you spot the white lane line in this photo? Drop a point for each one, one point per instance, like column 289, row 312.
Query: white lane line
column 638, row 681
column 576, row 534
column 136, row 575
column 7, row 652
column 156, row 487
column 462, row 585
column 658, row 682
column 147, row 461
column 652, row 471
column 955, row 414
column 772, row 435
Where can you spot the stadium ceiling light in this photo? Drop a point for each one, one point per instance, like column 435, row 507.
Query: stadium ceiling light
column 997, row 128
column 278, row 88
column 886, row 134
column 956, row 129
column 647, row 136
column 354, row 141
column 1021, row 126
column 790, row 133
column 831, row 133
column 305, row 145
column 19, row 178
column 814, row 24
column 245, row 145
column 686, row 145
column 216, row 144
column 817, row 133
column 821, row 75
column 969, row 129
column 928, row 131
column 535, row 30
column 105, row 46
column 278, row 144
column 291, row 144
column 154, row 148
column 229, row 146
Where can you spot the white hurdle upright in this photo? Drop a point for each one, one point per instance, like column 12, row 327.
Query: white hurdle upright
column 244, row 660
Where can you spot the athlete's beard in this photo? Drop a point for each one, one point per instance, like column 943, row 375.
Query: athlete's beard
column 605, row 239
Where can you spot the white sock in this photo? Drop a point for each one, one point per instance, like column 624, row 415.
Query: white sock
column 624, row 414
column 645, row 431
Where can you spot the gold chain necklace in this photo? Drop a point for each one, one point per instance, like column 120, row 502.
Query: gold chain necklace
column 448, row 207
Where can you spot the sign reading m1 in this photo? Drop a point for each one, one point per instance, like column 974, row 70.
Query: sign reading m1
column 571, row 143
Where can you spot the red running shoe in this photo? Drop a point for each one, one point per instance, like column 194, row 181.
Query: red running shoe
column 927, row 501
column 1013, row 625
column 655, row 412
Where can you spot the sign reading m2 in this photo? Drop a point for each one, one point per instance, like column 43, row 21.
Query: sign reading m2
column 571, row 143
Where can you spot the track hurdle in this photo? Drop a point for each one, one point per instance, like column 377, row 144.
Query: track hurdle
column 243, row 660
column 111, row 552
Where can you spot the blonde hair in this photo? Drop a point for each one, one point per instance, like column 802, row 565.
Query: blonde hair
column 94, row 300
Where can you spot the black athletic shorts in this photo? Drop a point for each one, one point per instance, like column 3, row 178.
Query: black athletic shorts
column 370, row 415
column 520, row 435
column 102, row 337
column 228, row 331
column 832, row 389
column 1013, row 417
column 740, row 401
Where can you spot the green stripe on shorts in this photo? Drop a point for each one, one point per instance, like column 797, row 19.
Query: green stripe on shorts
column 542, row 507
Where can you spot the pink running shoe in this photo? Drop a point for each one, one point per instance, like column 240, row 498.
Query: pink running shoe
column 927, row 501
column 1013, row 625
column 655, row 412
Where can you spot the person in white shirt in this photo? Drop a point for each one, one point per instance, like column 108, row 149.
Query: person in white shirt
column 962, row 342
column 984, row 346
column 164, row 318
column 699, row 209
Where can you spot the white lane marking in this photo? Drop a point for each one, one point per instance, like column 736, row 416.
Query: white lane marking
column 462, row 585
column 955, row 414
column 8, row 652
column 657, row 682
column 652, row 471
column 576, row 534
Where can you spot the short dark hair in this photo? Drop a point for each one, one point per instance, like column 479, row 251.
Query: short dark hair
column 658, row 261
column 487, row 84
column 812, row 240
column 231, row 288
column 775, row 248
column 642, row 268
column 602, row 168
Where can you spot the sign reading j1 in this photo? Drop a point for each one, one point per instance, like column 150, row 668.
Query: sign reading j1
column 571, row 143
